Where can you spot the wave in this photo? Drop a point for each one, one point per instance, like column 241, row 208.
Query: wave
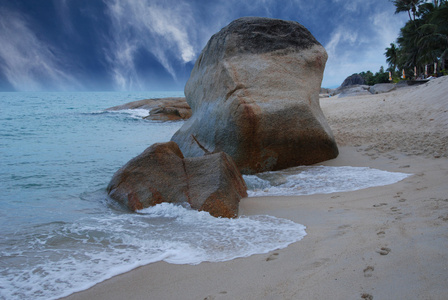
column 69, row 257
column 318, row 180
column 133, row 113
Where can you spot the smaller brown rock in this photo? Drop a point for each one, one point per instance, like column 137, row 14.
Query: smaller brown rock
column 215, row 184
column 155, row 176
column 209, row 183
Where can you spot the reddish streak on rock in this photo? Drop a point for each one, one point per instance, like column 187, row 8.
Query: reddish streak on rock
column 133, row 202
column 157, row 197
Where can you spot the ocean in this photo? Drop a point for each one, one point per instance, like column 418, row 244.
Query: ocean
column 61, row 234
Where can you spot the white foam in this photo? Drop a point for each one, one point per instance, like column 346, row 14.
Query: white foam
column 75, row 256
column 133, row 113
column 318, row 180
column 137, row 113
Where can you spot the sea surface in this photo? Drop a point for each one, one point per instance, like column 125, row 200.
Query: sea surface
column 61, row 234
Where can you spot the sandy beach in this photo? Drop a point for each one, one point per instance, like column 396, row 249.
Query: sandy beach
column 387, row 242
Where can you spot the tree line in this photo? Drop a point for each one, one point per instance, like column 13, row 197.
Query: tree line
column 422, row 45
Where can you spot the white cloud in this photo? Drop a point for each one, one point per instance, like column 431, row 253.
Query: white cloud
column 387, row 26
column 354, row 49
column 353, row 6
column 161, row 28
column 341, row 57
column 29, row 64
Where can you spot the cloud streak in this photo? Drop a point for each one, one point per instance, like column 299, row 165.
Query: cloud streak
column 152, row 44
column 160, row 28
column 358, row 45
column 28, row 63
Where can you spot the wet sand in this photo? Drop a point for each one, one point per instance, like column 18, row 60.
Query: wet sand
column 388, row 242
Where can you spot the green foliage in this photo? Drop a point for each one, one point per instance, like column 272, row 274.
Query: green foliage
column 408, row 6
column 392, row 55
column 379, row 77
column 424, row 38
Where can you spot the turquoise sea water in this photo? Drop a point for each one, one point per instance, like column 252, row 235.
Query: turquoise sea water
column 61, row 234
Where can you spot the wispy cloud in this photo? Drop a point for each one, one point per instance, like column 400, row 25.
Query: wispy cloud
column 359, row 46
column 63, row 11
column 341, row 57
column 163, row 29
column 28, row 63
column 128, row 43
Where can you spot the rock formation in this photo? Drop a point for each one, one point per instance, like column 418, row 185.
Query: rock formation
column 380, row 88
column 210, row 183
column 354, row 90
column 254, row 93
column 161, row 109
column 361, row 90
column 354, row 79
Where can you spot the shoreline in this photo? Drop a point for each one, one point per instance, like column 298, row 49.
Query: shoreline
column 386, row 242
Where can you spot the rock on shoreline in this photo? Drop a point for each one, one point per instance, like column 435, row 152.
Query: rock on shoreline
column 160, row 109
column 161, row 173
column 254, row 92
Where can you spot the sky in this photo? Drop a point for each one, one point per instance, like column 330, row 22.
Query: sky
column 152, row 45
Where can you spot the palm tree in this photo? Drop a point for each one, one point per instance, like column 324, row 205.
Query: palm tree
column 424, row 40
column 429, row 40
column 392, row 56
column 410, row 51
column 407, row 5
column 438, row 21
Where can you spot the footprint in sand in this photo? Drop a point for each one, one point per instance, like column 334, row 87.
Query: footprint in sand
column 381, row 233
column 443, row 218
column 379, row 205
column 212, row 297
column 272, row 256
column 367, row 296
column 368, row 271
column 384, row 251
column 394, row 209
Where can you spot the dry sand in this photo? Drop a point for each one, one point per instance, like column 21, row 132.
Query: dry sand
column 388, row 242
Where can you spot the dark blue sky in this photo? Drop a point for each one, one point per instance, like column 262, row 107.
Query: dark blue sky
column 152, row 45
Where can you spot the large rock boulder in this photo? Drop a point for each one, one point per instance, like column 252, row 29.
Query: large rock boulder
column 161, row 174
column 254, row 93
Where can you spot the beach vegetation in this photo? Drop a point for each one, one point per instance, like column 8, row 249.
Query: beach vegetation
column 381, row 76
column 407, row 6
column 422, row 45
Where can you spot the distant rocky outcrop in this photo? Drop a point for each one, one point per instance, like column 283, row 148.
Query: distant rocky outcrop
column 254, row 93
column 354, row 79
column 162, row 109
column 361, row 90
column 354, row 90
column 161, row 173
column 380, row 88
